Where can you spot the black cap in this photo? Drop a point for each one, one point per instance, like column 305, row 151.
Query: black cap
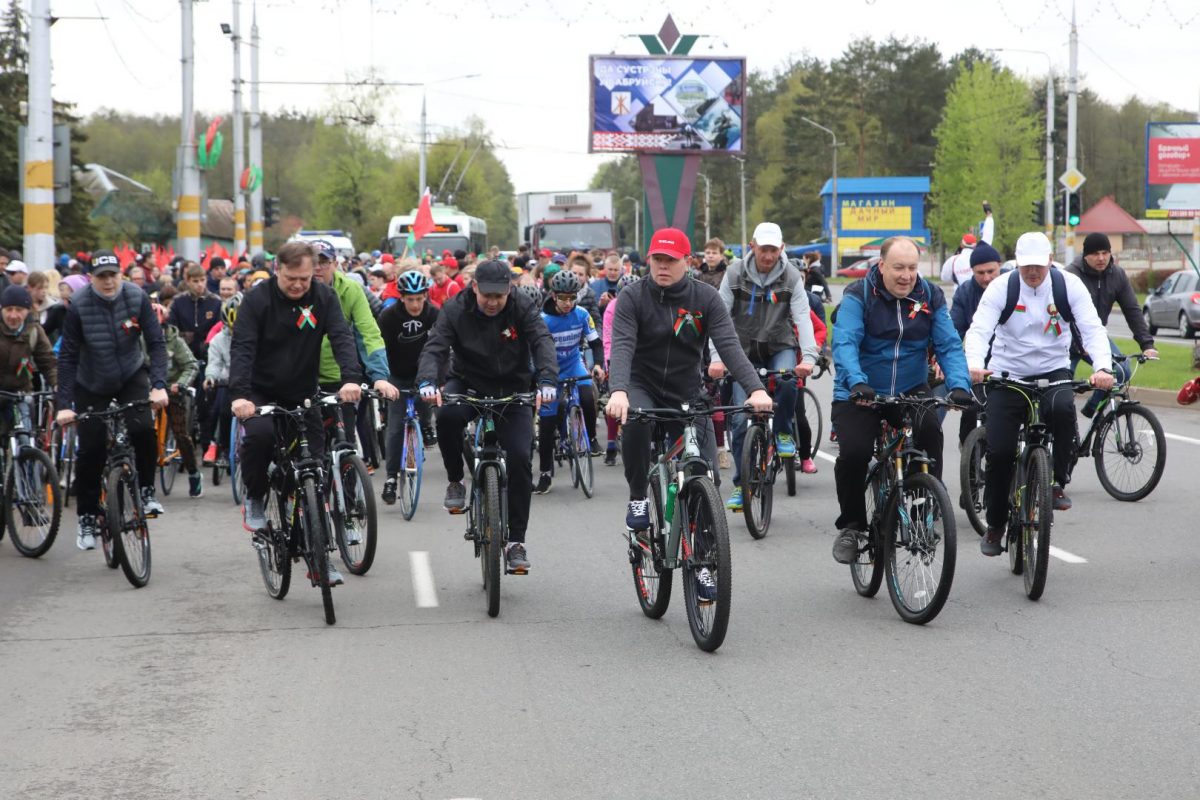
column 105, row 261
column 216, row 261
column 1095, row 242
column 14, row 295
column 493, row 277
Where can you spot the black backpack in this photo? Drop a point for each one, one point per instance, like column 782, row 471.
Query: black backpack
column 1058, row 291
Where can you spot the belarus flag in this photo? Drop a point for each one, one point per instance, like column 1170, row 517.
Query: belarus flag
column 423, row 224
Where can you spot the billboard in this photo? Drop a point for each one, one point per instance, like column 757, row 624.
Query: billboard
column 667, row 104
column 1172, row 169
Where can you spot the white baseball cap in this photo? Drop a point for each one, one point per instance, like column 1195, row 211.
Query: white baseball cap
column 767, row 234
column 17, row 266
column 1033, row 249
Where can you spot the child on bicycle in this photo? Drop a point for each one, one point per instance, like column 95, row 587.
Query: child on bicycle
column 216, row 381
column 181, row 371
column 572, row 328
column 25, row 350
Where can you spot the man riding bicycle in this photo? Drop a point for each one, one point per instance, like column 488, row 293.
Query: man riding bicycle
column 500, row 344
column 1032, row 341
column 766, row 299
column 886, row 324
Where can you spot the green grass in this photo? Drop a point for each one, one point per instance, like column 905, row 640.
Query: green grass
column 1172, row 370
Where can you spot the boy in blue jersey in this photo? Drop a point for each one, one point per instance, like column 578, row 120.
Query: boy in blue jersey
column 572, row 328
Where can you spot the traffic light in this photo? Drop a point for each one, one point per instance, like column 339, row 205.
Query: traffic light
column 1039, row 212
column 270, row 211
column 1073, row 214
column 1060, row 207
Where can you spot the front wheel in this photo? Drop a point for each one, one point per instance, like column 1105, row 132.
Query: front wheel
column 316, row 543
column 33, row 503
column 236, row 484
column 1130, row 452
column 491, row 532
column 1037, row 517
column 274, row 561
column 707, row 564
column 650, row 579
column 809, row 418
column 581, row 457
column 127, row 526
column 356, row 527
column 412, row 459
column 758, row 479
column 1186, row 331
column 972, row 471
column 921, row 549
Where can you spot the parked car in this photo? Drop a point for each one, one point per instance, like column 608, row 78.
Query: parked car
column 1175, row 304
column 859, row 268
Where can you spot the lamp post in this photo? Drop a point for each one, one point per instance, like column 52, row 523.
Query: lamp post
column 424, row 130
column 742, row 167
column 637, row 222
column 707, row 205
column 834, row 255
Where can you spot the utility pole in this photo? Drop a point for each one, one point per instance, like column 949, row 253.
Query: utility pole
column 1048, row 211
column 187, row 210
column 1072, row 129
column 256, row 143
column 239, row 138
column 707, row 205
column 745, row 241
column 421, row 184
column 834, row 255
column 39, row 145
column 637, row 222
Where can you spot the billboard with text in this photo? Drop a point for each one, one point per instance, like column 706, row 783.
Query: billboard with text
column 1172, row 169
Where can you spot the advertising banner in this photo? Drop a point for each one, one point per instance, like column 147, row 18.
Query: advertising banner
column 1172, row 169
column 667, row 104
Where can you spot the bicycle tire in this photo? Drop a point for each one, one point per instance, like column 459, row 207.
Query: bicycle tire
column 237, row 485
column 789, row 475
column 815, row 419
column 652, row 583
column 66, row 466
column 412, row 461
column 1037, row 518
column 127, row 526
column 1119, row 443
column 491, row 537
column 167, row 471
column 316, row 545
column 758, row 491
column 581, row 452
column 972, row 469
column 357, row 558
column 33, row 509
column 274, row 561
column 920, row 555
column 706, row 531
column 867, row 571
column 217, row 473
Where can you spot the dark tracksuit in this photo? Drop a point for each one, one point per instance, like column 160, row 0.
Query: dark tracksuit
column 404, row 337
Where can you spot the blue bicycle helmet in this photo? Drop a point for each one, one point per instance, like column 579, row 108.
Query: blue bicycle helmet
column 413, row 282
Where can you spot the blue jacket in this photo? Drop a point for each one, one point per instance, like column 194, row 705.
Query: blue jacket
column 966, row 300
column 884, row 341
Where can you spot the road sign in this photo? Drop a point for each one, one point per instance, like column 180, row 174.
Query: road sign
column 1072, row 179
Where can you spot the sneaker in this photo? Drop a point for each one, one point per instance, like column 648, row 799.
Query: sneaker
column 429, row 438
column 610, row 457
column 845, row 546
column 150, row 505
column 706, row 587
column 389, row 490
column 724, row 460
column 1061, row 501
column 196, row 485
column 518, row 561
column 734, row 503
column 332, row 576
column 210, row 455
column 88, row 530
column 785, row 445
column 808, row 466
column 456, row 497
column 993, row 543
column 254, row 514
column 596, row 453
column 637, row 518
column 352, row 535
column 543, row 484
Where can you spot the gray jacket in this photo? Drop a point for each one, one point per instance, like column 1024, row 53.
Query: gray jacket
column 764, row 307
column 1109, row 286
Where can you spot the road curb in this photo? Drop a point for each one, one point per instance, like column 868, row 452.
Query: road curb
column 1162, row 398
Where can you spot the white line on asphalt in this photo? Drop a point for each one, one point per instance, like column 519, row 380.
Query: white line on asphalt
column 422, row 577
column 1063, row 555
column 826, row 456
column 1179, row 438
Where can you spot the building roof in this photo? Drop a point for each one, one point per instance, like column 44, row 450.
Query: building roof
column 898, row 185
column 1108, row 217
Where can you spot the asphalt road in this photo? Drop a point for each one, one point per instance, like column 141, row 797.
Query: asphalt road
column 201, row 686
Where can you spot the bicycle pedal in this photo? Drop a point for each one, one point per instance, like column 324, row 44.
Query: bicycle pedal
column 470, row 537
column 456, row 511
column 516, row 571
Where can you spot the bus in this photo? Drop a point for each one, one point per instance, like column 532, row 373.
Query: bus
column 339, row 239
column 453, row 230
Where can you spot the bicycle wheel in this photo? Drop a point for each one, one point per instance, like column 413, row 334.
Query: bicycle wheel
column 653, row 584
column 357, row 517
column 705, row 547
column 972, row 470
column 66, row 462
column 757, row 489
column 921, row 547
column 581, row 448
column 1037, row 516
column 412, row 459
column 491, row 537
column 167, row 471
column 789, row 475
column 1130, row 452
column 127, row 526
column 236, row 484
column 812, row 418
column 273, row 560
column 867, row 571
column 32, row 503
column 316, row 545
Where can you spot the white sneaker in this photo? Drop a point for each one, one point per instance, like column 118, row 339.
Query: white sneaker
column 86, row 540
column 150, row 505
column 254, row 514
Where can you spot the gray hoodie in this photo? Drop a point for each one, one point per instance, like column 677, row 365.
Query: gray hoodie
column 764, row 307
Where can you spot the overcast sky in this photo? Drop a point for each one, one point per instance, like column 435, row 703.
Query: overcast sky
column 532, row 55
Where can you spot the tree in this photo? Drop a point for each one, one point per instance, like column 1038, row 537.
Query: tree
column 987, row 149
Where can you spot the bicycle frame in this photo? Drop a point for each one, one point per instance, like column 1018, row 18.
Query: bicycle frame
column 568, row 398
column 287, row 473
column 1116, row 397
column 410, row 414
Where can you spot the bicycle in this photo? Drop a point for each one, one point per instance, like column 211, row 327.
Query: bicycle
column 487, row 513
column 348, row 489
column 32, row 500
column 572, row 445
column 170, row 458
column 688, row 529
column 810, row 420
column 412, row 456
column 911, row 532
column 124, row 533
column 297, row 521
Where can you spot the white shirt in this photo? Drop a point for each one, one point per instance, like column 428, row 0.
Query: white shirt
column 957, row 267
column 987, row 229
column 1024, row 346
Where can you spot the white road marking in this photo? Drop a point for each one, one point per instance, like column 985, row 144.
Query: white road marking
column 826, row 456
column 422, row 578
column 1063, row 555
column 1179, row 438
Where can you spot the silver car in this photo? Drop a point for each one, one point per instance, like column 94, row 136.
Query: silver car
column 1175, row 304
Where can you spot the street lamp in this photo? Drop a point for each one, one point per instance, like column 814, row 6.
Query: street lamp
column 1048, row 211
column 424, row 130
column 742, row 166
column 707, row 205
column 834, row 255
column 637, row 222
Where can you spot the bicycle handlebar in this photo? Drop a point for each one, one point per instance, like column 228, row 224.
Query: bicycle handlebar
column 675, row 414
column 516, row 399
column 111, row 411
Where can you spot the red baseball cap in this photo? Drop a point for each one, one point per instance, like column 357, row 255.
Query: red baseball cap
column 969, row 240
column 387, row 258
column 671, row 242
column 545, row 253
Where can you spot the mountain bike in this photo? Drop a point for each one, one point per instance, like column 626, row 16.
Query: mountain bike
column 910, row 522
column 348, row 489
column 32, row 497
column 170, row 459
column 412, row 456
column 572, row 445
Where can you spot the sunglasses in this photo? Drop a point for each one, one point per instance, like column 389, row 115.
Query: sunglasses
column 566, row 298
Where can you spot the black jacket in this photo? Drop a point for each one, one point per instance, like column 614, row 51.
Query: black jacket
column 1112, row 286
column 404, row 337
column 492, row 355
column 966, row 300
column 195, row 318
column 276, row 351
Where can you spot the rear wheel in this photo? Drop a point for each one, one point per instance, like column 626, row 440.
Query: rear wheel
column 127, row 526
column 921, row 549
column 33, row 503
column 867, row 571
column 1130, row 453
column 236, row 484
column 1186, row 331
column 273, row 559
column 810, row 418
column 652, row 583
column 65, row 460
column 1036, row 519
column 972, row 471
column 412, row 458
column 491, row 552
column 705, row 549
column 358, row 519
column 167, row 471
column 316, row 542
column 581, row 451
column 757, row 481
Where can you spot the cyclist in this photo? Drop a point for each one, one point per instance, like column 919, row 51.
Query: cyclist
column 275, row 358
column 766, row 299
column 100, row 361
column 216, row 379
column 610, row 313
column 572, row 329
column 712, row 268
column 985, row 268
column 25, row 349
column 1032, row 340
column 500, row 345
column 886, row 324
column 661, row 330
column 405, row 328
column 181, row 371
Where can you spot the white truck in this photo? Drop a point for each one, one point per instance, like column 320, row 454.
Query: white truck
column 565, row 221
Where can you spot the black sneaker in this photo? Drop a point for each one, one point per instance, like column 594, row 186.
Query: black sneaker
column 992, row 544
column 456, row 497
column 389, row 490
column 596, row 452
column 845, row 546
column 706, row 587
column 429, row 437
column 637, row 518
column 1061, row 501
column 610, row 457
column 543, row 484
column 196, row 485
column 518, row 561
